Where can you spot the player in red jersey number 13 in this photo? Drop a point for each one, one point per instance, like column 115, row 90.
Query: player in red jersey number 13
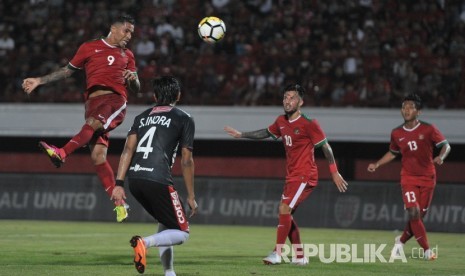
column 415, row 140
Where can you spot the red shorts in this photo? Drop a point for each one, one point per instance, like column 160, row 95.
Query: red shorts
column 110, row 110
column 295, row 192
column 426, row 180
column 417, row 196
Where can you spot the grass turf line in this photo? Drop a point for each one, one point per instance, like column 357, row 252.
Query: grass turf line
column 94, row 248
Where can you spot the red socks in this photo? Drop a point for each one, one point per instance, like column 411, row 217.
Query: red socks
column 418, row 229
column 79, row 140
column 284, row 226
column 107, row 178
column 288, row 228
column 294, row 233
column 294, row 237
column 104, row 171
column 407, row 234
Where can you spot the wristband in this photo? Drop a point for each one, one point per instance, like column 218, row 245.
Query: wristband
column 333, row 167
column 119, row 183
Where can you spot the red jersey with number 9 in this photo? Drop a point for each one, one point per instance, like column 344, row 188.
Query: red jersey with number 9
column 416, row 147
column 104, row 65
column 300, row 138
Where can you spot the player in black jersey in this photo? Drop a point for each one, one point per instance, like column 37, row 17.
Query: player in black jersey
column 147, row 158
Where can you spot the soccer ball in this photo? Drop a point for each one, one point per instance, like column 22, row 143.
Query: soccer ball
column 211, row 29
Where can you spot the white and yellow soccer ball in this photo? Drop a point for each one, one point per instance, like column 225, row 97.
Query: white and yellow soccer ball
column 211, row 29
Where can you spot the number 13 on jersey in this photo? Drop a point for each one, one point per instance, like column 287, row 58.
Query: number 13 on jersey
column 410, row 196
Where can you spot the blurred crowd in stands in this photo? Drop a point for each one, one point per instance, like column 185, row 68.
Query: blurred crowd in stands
column 347, row 53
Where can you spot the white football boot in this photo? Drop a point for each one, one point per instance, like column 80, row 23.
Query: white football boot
column 398, row 248
column 272, row 259
column 429, row 255
column 299, row 261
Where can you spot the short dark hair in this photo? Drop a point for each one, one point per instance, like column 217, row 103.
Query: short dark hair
column 123, row 18
column 295, row 87
column 166, row 89
column 414, row 98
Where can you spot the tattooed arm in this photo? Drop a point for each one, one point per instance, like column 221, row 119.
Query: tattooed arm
column 30, row 84
column 340, row 183
column 257, row 134
column 132, row 81
column 328, row 152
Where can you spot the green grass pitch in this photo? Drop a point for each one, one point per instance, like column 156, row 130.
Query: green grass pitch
column 92, row 248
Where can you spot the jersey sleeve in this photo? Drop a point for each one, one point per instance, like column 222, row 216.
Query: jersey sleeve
column 131, row 62
column 273, row 130
column 188, row 131
column 317, row 134
column 79, row 59
column 393, row 146
column 133, row 128
column 437, row 137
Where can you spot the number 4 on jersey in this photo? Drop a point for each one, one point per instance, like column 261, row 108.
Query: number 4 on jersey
column 147, row 139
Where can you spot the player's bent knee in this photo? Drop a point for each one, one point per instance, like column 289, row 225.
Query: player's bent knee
column 98, row 155
column 168, row 237
column 179, row 237
column 186, row 237
column 413, row 213
column 95, row 124
column 284, row 209
column 98, row 159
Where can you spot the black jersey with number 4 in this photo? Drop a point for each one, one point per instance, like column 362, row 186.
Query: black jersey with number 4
column 160, row 131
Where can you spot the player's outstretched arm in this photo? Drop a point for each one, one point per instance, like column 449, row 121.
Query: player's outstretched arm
column 387, row 157
column 125, row 160
column 257, row 134
column 30, row 84
column 187, row 169
column 340, row 183
column 233, row 132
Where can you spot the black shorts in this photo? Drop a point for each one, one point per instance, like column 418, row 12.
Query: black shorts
column 161, row 201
